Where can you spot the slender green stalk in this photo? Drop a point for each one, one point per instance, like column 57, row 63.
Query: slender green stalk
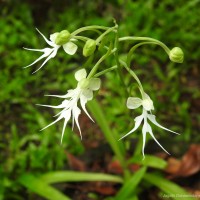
column 105, row 33
column 145, row 39
column 130, row 53
column 94, row 69
column 87, row 28
column 118, row 63
column 133, row 74
column 83, row 38
column 105, row 71
column 109, row 134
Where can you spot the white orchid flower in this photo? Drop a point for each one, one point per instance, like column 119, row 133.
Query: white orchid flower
column 48, row 53
column 147, row 104
column 84, row 92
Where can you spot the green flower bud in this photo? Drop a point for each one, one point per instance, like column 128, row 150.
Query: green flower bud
column 62, row 37
column 176, row 55
column 89, row 47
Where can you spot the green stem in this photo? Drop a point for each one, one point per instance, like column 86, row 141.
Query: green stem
column 105, row 33
column 110, row 134
column 94, row 69
column 83, row 38
column 129, row 56
column 134, row 76
column 87, row 28
column 116, row 54
column 145, row 39
column 118, row 63
column 105, row 71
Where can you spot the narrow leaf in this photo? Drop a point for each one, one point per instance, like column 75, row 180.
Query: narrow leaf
column 74, row 176
column 131, row 184
column 168, row 187
column 41, row 188
column 150, row 161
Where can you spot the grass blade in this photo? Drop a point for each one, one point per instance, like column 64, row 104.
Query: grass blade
column 131, row 184
column 74, row 176
column 41, row 188
column 149, row 161
column 168, row 187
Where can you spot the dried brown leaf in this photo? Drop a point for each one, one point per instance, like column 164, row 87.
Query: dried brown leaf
column 188, row 165
column 75, row 163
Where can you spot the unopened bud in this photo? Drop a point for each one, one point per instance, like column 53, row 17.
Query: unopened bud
column 89, row 47
column 62, row 37
column 176, row 55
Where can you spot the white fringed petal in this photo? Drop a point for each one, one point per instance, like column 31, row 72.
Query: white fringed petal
column 144, row 133
column 47, row 52
column 46, row 40
column 152, row 135
column 83, row 101
column 66, row 115
column 52, row 55
column 152, row 118
column 138, row 121
column 76, row 112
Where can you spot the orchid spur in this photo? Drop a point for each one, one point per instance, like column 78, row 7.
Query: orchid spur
column 84, row 92
column 147, row 104
column 56, row 41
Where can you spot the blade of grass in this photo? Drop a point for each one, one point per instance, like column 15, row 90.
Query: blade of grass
column 150, row 161
column 130, row 185
column 74, row 176
column 168, row 187
column 41, row 188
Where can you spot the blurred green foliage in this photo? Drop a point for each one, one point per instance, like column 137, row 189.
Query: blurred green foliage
column 173, row 87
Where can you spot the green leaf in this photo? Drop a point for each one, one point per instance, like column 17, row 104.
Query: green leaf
column 168, row 187
column 150, row 161
column 73, row 176
column 131, row 184
column 41, row 188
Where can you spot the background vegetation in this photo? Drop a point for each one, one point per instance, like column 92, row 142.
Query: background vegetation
column 174, row 88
